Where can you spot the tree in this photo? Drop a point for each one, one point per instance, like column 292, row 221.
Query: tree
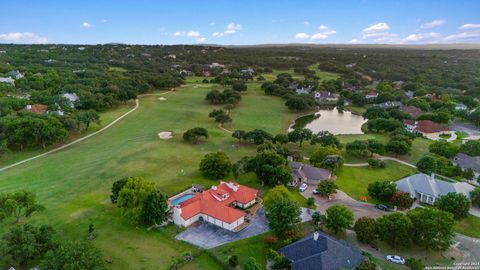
column 455, row 203
column 398, row 147
column 233, row 260
column 432, row 228
column 282, row 216
column 271, row 168
column 193, row 135
column 239, row 86
column 239, row 135
column 132, row 196
column 376, row 163
column 275, row 194
column 87, row 117
column 317, row 158
column 338, row 218
column 325, row 138
column 216, row 165
column 471, row 148
column 401, row 199
column 444, row 148
column 375, row 147
column 24, row 243
column 382, row 191
column 468, row 174
column 258, row 136
column 250, row 264
column 357, row 148
column 394, row 229
column 300, row 135
column 366, row 230
column 367, row 264
column 358, row 99
column 300, row 102
column 220, row 116
column 116, row 187
column 415, row 264
column 326, row 188
column 155, row 209
column 77, row 255
column 427, row 164
column 19, row 204
column 383, row 125
column 475, row 196
column 281, row 138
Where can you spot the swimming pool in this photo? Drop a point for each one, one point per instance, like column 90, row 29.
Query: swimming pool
column 182, row 198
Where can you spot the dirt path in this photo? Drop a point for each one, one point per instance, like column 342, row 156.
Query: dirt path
column 137, row 104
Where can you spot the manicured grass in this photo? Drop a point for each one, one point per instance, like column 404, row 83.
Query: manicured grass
column 356, row 109
column 117, row 69
column 244, row 249
column 74, row 184
column 469, row 226
column 419, row 148
column 354, row 180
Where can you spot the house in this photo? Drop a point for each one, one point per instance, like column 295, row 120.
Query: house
column 303, row 90
column 7, row 80
column 320, row 251
column 371, row 95
column 248, row 71
column 398, row 84
column 433, row 97
column 36, row 108
column 427, row 188
column 391, row 104
column 185, row 72
column 426, row 128
column 409, row 94
column 15, row 74
column 219, row 205
column 467, row 162
column 72, row 98
column 325, row 96
column 413, row 111
column 216, row 65
column 460, row 107
column 304, row 173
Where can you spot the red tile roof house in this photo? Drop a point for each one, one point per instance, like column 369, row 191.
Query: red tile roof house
column 426, row 128
column 218, row 205
column 36, row 108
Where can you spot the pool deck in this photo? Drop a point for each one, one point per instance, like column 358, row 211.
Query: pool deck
column 185, row 192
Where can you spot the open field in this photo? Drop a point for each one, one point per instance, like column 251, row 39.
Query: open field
column 469, row 226
column 74, row 184
column 354, row 180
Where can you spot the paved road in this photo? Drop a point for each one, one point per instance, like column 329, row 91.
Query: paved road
column 137, row 104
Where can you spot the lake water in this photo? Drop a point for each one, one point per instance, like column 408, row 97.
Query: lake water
column 331, row 120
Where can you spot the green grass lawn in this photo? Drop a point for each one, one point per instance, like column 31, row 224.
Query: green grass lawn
column 469, row 226
column 74, row 184
column 245, row 248
column 354, row 180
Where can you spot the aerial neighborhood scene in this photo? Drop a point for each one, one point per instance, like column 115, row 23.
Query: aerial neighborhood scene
column 241, row 135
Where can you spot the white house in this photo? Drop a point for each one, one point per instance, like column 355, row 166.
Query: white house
column 7, row 80
column 218, row 205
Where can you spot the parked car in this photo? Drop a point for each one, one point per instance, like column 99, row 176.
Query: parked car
column 315, row 192
column 395, row 259
column 303, row 187
column 382, row 207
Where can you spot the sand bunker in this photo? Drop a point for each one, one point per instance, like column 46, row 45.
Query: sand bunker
column 162, row 98
column 165, row 135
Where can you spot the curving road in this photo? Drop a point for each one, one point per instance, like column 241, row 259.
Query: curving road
column 137, row 104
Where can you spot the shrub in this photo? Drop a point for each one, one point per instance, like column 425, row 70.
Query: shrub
column 376, row 163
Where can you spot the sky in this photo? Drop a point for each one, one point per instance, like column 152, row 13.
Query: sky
column 240, row 22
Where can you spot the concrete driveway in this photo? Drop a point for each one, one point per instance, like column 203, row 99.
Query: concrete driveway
column 208, row 236
column 360, row 209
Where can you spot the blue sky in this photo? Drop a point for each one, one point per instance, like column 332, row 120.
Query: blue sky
column 240, row 22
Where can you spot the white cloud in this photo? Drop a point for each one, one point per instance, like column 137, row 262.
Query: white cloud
column 306, row 22
column 86, row 25
column 217, row 34
column 329, row 32
column 26, row 37
column 354, row 41
column 318, row 36
column 179, row 33
column 323, row 27
column 433, row 24
column 378, row 27
column 469, row 26
column 193, row 34
column 201, row 39
column 431, row 37
column 232, row 28
column 302, row 36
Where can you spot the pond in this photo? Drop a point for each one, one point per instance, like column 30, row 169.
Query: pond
column 331, row 120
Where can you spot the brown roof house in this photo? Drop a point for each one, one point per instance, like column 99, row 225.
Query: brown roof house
column 304, row 173
column 413, row 111
column 36, row 108
column 426, row 128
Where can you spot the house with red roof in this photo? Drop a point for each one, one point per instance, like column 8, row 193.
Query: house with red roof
column 36, row 108
column 220, row 205
column 426, row 128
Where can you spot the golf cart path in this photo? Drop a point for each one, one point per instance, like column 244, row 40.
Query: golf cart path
column 381, row 158
column 137, row 104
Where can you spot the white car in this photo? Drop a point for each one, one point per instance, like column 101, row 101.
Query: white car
column 303, row 187
column 395, row 259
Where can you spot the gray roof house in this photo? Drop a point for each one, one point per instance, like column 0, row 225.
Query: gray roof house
column 467, row 162
column 72, row 98
column 391, row 104
column 304, row 173
column 319, row 251
column 427, row 188
column 325, row 96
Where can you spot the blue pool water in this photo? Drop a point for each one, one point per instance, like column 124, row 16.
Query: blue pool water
column 181, row 199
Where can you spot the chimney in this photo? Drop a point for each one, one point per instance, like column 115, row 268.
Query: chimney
column 315, row 236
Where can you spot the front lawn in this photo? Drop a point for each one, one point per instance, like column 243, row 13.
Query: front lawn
column 245, row 248
column 469, row 226
column 354, row 180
